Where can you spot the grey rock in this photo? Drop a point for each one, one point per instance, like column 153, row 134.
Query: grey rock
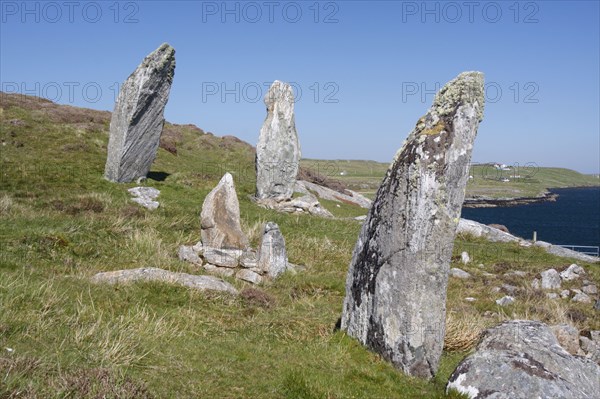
column 307, row 204
column 535, row 284
column 597, row 304
column 187, row 254
column 590, row 289
column 220, row 217
column 565, row 252
column 272, row 255
column 137, row 120
column 481, row 230
column 551, row 295
column 565, row 294
column 465, row 258
column 202, row 283
column 145, row 196
column 278, row 149
column 219, row 271
column 568, row 337
column 572, row 272
column 505, row 300
column 198, row 248
column 595, row 336
column 249, row 276
column 522, row 359
column 395, row 300
column 222, row 257
column 590, row 349
column 550, row 280
column 459, row 273
column 249, row 259
column 361, row 218
column 349, row 196
column 581, row 297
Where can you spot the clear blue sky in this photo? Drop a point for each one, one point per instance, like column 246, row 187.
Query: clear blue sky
column 370, row 60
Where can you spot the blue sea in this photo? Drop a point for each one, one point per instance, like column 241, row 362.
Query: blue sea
column 574, row 219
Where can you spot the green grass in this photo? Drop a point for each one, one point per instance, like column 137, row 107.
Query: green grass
column 365, row 177
column 61, row 222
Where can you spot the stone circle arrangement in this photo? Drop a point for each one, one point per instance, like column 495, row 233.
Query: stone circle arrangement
column 401, row 262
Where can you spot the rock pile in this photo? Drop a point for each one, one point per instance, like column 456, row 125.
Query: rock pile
column 224, row 249
column 137, row 120
column 395, row 300
column 552, row 280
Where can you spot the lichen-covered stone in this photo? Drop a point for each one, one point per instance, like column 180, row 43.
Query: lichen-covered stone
column 395, row 300
column 138, row 118
column 522, row 359
column 278, row 149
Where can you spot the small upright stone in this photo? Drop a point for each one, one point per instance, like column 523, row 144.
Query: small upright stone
column 278, row 148
column 396, row 285
column 220, row 218
column 272, row 256
column 137, row 120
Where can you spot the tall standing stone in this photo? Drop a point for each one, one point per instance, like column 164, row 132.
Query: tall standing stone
column 395, row 300
column 137, row 120
column 272, row 256
column 220, row 218
column 278, row 149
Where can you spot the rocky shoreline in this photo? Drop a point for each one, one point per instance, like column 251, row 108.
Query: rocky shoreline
column 490, row 202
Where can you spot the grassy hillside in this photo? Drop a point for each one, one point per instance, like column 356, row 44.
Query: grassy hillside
column 524, row 181
column 61, row 222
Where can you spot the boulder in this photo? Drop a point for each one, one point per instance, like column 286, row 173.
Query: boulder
column 137, row 120
column 278, row 149
column 272, row 256
column 581, row 297
column 187, row 254
column 220, row 218
column 572, row 272
column 550, row 280
column 202, row 283
column 459, row 273
column 395, row 300
column 522, row 359
column 349, row 197
column 249, row 276
column 590, row 289
column 219, row 271
column 223, row 257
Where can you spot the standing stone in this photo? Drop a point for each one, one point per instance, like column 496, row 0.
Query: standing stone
column 396, row 286
column 272, row 256
column 220, row 218
column 278, row 148
column 137, row 120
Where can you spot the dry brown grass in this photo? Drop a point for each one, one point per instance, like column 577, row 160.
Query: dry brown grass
column 463, row 330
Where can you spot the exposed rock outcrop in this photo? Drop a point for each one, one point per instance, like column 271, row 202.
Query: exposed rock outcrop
column 522, row 359
column 137, row 120
column 145, row 196
column 396, row 286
